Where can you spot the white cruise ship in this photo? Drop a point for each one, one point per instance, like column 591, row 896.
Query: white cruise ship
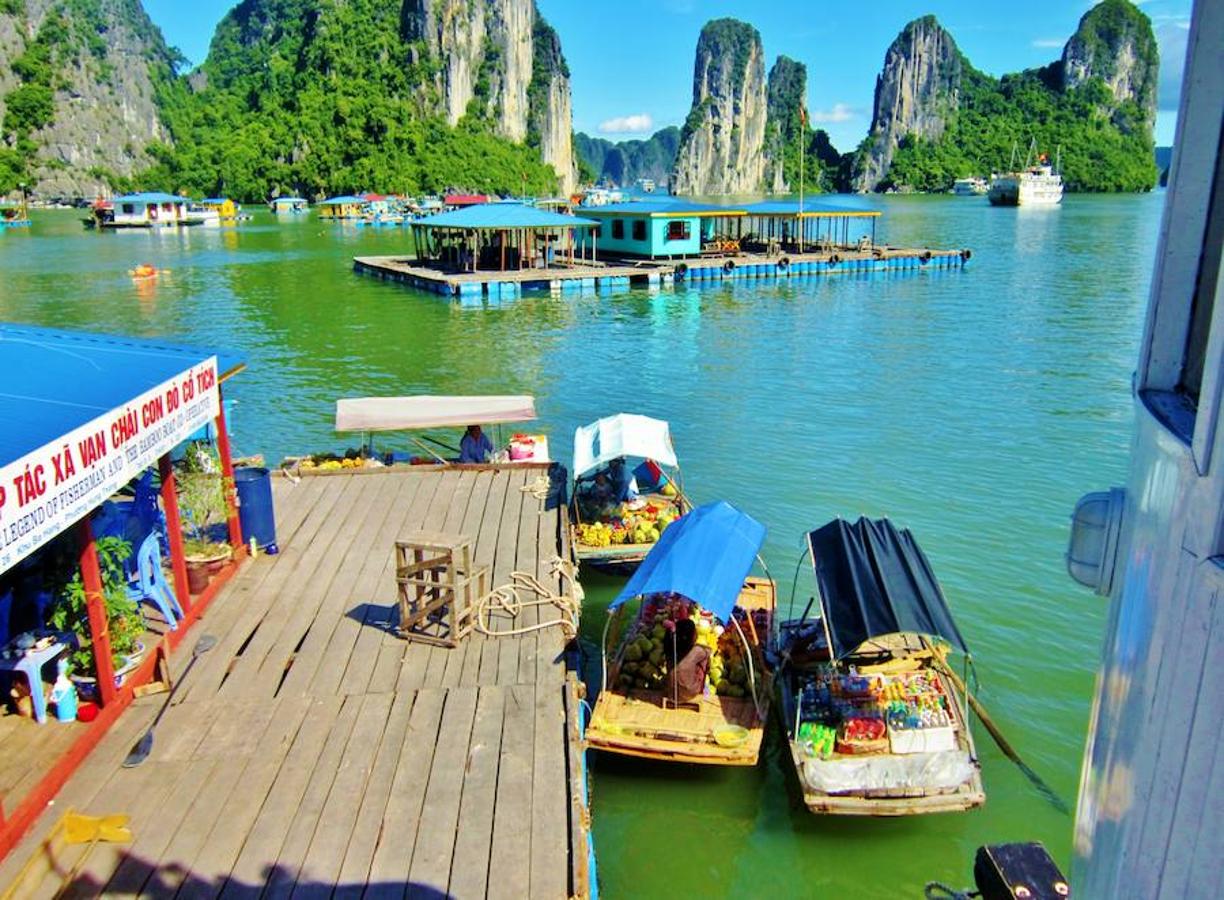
column 1039, row 185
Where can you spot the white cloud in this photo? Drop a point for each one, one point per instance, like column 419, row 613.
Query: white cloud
column 841, row 112
column 1046, row 43
column 639, row 123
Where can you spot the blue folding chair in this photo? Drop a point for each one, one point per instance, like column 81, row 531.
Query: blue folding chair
column 150, row 582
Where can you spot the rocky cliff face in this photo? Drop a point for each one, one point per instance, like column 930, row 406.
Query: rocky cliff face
column 79, row 84
column 785, row 94
column 499, row 60
column 915, row 95
column 722, row 144
column 1114, row 42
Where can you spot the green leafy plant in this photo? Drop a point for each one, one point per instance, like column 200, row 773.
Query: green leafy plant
column 124, row 622
column 201, row 500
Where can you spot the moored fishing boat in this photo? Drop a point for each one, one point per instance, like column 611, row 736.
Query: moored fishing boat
column 619, row 512
column 688, row 680
column 874, row 724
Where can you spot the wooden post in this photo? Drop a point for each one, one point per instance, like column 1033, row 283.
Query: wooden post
column 504, row 238
column 227, row 474
column 174, row 531
column 99, row 628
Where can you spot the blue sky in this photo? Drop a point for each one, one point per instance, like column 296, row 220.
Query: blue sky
column 632, row 60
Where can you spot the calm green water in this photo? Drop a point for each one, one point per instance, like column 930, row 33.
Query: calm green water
column 973, row 407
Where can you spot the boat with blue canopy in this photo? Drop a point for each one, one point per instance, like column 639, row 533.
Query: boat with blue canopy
column 687, row 679
column 627, row 490
column 872, row 716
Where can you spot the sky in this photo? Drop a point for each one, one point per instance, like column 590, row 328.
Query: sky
column 631, row 61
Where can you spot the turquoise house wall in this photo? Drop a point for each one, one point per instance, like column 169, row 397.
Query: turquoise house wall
column 656, row 243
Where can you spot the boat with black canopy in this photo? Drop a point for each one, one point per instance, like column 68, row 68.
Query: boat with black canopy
column 873, row 720
column 687, row 679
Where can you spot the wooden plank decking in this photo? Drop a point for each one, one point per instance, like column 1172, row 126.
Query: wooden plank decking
column 314, row 753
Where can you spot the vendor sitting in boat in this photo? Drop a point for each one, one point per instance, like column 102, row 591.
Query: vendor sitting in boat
column 475, row 447
column 687, row 663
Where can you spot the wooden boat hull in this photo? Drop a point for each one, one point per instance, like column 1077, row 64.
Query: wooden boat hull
column 619, row 559
column 637, row 724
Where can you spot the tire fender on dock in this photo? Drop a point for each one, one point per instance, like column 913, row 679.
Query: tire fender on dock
column 729, row 266
column 784, row 264
column 681, row 271
column 925, row 257
column 834, row 259
column 966, row 254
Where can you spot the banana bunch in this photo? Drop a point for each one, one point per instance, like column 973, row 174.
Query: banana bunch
column 595, row 534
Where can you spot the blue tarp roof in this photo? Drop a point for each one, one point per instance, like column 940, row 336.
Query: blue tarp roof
column 337, row 201
column 289, row 200
column 704, row 556
column 502, row 215
column 670, row 206
column 150, row 197
column 810, row 205
column 55, row 381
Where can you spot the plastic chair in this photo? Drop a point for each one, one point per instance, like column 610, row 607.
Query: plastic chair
column 151, row 582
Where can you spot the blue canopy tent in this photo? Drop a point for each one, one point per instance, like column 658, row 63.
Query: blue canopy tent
column 704, row 556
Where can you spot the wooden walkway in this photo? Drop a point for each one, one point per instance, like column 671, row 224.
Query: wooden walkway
column 313, row 753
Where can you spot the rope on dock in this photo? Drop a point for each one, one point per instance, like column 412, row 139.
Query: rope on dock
column 509, row 599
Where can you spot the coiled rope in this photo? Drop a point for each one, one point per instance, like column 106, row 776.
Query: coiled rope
column 524, row 591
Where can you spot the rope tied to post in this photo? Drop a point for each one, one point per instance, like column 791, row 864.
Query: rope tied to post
column 524, row 591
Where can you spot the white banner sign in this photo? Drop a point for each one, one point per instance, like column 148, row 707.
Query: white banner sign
column 57, row 485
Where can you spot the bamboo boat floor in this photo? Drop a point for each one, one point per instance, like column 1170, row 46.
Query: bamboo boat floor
column 312, row 752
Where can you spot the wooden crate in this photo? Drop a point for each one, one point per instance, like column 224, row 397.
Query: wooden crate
column 438, row 587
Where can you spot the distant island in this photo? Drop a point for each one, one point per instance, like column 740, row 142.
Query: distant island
column 314, row 97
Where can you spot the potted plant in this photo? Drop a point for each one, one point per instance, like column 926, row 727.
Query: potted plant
column 201, row 500
column 124, row 623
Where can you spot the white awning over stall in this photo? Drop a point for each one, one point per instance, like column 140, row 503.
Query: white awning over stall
column 624, row 434
column 427, row 411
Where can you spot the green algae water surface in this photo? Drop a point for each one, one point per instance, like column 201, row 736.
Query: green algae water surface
column 973, row 407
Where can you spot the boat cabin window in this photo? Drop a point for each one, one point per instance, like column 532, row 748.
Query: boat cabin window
column 1202, row 303
column 678, row 230
column 618, row 229
column 639, row 230
column 128, row 209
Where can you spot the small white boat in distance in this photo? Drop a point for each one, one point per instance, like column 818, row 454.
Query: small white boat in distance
column 969, row 187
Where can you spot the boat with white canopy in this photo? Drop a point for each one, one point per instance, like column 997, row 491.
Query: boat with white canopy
column 686, row 680
column 627, row 489
column 429, row 421
column 873, row 720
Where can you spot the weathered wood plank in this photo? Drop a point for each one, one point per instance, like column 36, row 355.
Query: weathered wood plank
column 510, row 852
column 267, row 833
column 435, row 844
column 321, row 868
column 393, row 856
column 549, row 798
column 284, row 874
column 474, row 832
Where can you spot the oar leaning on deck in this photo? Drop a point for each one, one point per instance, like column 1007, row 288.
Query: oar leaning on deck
column 984, row 717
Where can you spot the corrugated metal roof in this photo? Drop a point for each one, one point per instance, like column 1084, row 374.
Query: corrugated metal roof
column 150, row 197
column 502, row 215
column 289, row 200
column 56, row 381
column 337, row 201
column 672, row 206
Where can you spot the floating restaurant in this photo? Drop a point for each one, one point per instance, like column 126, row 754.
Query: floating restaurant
column 144, row 210
column 499, row 249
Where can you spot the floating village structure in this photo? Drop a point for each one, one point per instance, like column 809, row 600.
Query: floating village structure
column 287, row 206
column 148, row 210
column 346, row 207
column 503, row 249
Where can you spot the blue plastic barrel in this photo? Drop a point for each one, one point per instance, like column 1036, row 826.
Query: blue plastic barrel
column 255, row 512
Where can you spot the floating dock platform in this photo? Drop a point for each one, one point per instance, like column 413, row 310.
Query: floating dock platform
column 622, row 274
column 312, row 750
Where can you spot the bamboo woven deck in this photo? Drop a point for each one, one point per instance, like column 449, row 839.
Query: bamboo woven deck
column 312, row 752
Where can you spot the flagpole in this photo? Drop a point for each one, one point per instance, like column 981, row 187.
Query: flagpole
column 802, row 129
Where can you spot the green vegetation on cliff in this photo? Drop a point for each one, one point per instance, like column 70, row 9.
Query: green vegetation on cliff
column 785, row 128
column 299, row 96
column 624, row 162
column 994, row 116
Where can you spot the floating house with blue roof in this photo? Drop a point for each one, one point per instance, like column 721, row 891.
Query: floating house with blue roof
column 288, row 205
column 345, row 207
column 148, row 210
column 502, row 237
column 664, row 228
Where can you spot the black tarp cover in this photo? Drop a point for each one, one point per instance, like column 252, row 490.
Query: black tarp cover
column 875, row 580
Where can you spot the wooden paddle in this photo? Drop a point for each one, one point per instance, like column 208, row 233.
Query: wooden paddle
column 142, row 748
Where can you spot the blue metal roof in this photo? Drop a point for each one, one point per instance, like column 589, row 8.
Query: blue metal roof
column 150, row 197
column 670, row 206
column 844, row 205
column 704, row 556
column 502, row 215
column 289, row 200
column 215, row 200
column 337, row 201
column 56, row 381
